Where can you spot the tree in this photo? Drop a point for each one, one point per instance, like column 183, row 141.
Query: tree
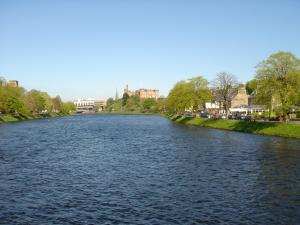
column 130, row 104
column 57, row 104
column 181, row 97
column 279, row 81
column 162, row 104
column 14, row 105
column 35, row 101
column 201, row 91
column 48, row 101
column 109, row 104
column 7, row 91
column 68, row 107
column 149, row 104
column 225, row 87
column 125, row 98
column 251, row 86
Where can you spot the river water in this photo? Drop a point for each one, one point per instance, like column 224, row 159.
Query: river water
column 124, row 169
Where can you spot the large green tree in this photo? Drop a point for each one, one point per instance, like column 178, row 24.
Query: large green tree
column 181, row 97
column 35, row 102
column 202, row 93
column 14, row 105
column 279, row 81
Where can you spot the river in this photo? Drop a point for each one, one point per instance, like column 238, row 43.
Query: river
column 136, row 169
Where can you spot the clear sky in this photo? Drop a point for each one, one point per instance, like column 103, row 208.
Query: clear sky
column 81, row 49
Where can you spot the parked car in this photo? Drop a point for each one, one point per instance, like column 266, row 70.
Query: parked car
column 232, row 117
column 204, row 115
column 188, row 115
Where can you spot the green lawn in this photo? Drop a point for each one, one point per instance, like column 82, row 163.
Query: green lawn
column 265, row 128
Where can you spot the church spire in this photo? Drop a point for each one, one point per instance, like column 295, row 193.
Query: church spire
column 117, row 95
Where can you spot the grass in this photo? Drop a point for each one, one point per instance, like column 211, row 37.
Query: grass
column 17, row 118
column 8, row 118
column 291, row 130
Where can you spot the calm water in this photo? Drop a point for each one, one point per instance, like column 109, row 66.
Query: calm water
column 114, row 169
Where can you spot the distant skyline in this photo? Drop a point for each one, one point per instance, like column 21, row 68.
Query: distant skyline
column 88, row 49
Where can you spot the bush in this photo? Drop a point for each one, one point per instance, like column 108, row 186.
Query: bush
column 298, row 114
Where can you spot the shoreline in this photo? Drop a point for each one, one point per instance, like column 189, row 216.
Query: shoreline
column 8, row 118
column 288, row 130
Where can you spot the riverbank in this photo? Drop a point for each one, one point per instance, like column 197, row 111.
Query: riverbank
column 17, row 118
column 291, row 130
column 126, row 113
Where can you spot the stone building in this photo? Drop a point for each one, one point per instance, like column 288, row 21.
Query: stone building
column 143, row 92
column 245, row 104
column 127, row 91
column 13, row 83
column 148, row 93
column 241, row 98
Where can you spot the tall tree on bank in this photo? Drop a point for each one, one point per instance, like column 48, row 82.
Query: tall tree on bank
column 180, row 97
column 35, row 101
column 202, row 93
column 57, row 104
column 279, row 81
column 14, row 105
column 225, row 86
column 190, row 94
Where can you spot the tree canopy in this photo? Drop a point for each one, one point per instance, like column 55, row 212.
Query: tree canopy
column 278, row 82
column 16, row 100
column 189, row 95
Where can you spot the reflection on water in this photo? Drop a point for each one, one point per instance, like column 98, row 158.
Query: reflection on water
column 114, row 169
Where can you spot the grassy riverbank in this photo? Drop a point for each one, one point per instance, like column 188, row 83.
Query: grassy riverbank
column 265, row 128
column 17, row 118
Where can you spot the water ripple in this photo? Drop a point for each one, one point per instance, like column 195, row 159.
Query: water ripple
column 113, row 169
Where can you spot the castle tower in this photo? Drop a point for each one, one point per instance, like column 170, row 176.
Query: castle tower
column 14, row 83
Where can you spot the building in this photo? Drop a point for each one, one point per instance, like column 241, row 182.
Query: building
column 241, row 103
column 143, row 92
column 240, row 99
column 245, row 104
column 148, row 93
column 13, row 83
column 89, row 105
column 100, row 104
column 127, row 91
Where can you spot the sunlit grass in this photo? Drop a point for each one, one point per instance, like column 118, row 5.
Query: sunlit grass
column 266, row 128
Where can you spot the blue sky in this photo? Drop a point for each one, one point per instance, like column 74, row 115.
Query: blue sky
column 89, row 48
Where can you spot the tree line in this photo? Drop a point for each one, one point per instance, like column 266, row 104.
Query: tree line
column 18, row 101
column 135, row 104
column 276, row 85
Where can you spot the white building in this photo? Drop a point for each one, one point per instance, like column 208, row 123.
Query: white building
column 89, row 105
column 249, row 109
